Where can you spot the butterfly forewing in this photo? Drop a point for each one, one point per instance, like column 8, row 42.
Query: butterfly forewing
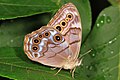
column 67, row 22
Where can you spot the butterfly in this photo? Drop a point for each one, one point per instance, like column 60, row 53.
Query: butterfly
column 58, row 43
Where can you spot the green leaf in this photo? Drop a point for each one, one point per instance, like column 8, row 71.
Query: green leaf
column 14, row 64
column 103, row 62
column 10, row 9
column 114, row 2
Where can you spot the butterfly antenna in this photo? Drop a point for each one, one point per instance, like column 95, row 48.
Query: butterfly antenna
column 58, row 71
column 85, row 53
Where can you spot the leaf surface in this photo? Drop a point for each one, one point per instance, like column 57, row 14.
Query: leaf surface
column 14, row 64
column 103, row 62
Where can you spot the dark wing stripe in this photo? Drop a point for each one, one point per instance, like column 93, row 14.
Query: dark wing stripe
column 58, row 52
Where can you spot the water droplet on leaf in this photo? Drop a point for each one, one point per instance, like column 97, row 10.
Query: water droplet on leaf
column 111, row 52
column 108, row 19
column 101, row 21
column 11, row 41
column 93, row 53
column 103, row 70
column 98, row 25
column 113, row 40
column 110, row 42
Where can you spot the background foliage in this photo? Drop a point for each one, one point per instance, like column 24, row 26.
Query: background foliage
column 100, row 34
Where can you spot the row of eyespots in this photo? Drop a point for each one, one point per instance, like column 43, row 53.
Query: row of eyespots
column 64, row 22
column 40, row 36
column 36, row 41
column 57, row 38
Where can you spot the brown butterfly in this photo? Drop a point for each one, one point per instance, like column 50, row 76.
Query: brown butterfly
column 57, row 44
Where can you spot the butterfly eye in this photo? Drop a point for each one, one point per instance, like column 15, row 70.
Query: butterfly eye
column 57, row 38
column 63, row 23
column 35, row 48
column 69, row 16
column 36, row 41
column 47, row 34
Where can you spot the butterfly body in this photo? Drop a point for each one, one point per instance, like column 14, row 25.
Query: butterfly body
column 58, row 43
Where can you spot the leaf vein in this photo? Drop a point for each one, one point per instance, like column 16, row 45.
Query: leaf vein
column 10, row 4
column 32, row 69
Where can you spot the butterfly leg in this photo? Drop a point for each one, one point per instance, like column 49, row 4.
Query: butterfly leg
column 58, row 71
column 70, row 70
column 53, row 68
column 73, row 71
